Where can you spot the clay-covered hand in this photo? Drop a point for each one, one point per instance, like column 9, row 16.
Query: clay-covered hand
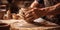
column 33, row 14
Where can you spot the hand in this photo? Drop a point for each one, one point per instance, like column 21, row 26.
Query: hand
column 33, row 14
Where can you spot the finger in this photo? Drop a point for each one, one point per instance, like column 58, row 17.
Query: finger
column 30, row 18
column 26, row 10
column 28, row 15
column 31, row 15
column 34, row 15
column 32, row 9
column 29, row 12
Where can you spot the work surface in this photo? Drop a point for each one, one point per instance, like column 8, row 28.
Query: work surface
column 23, row 25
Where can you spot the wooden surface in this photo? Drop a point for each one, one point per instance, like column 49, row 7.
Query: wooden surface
column 23, row 25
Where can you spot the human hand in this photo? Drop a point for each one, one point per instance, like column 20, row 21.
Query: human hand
column 33, row 14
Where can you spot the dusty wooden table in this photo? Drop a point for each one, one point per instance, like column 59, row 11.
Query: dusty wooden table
column 22, row 25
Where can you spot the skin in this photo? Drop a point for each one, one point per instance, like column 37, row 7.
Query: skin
column 35, row 12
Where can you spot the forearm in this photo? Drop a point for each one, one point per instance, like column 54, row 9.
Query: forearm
column 51, row 8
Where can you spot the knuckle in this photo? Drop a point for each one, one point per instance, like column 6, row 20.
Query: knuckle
column 30, row 18
column 27, row 16
column 29, row 12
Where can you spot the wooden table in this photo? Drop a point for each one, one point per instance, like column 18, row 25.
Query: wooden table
column 22, row 25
